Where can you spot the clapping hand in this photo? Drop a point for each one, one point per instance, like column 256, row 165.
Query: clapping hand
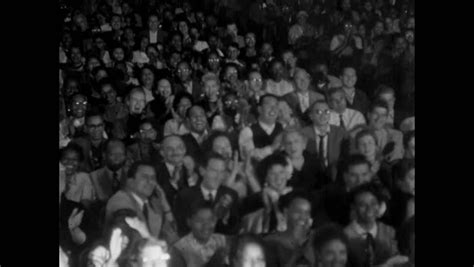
column 75, row 219
column 115, row 246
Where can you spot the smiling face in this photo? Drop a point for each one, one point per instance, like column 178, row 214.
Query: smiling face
column 164, row 88
column 211, row 89
column 333, row 254
column 79, row 106
column 144, row 182
column 202, row 225
column 255, row 81
column 70, row 160
column 277, row 177
column 173, row 150
column 299, row 213
column 367, row 146
column 222, row 146
column 294, row 144
column 366, row 208
column 197, row 119
column 268, row 110
column 349, row 78
column 302, row 80
column 378, row 117
column 136, row 102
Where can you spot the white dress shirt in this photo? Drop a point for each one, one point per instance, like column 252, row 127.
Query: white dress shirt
column 351, row 118
column 303, row 100
column 279, row 89
column 153, row 37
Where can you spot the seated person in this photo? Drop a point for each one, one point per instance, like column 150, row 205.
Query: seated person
column 244, row 250
column 197, row 248
column 341, row 115
column 330, row 246
column 260, row 139
column 126, row 128
column 144, row 148
column 177, row 125
column 356, row 99
column 395, row 116
column 198, row 127
column 223, row 199
column 403, row 195
column 370, row 242
column 293, row 246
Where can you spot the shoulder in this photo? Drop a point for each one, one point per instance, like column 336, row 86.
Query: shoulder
column 308, row 131
column 337, row 130
column 97, row 173
column 83, row 177
column 386, row 230
column 229, row 190
column 316, row 95
column 189, row 192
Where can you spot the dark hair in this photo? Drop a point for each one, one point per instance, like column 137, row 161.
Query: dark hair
column 378, row 103
column 264, row 166
column 188, row 112
column 319, row 101
column 326, row 234
column 209, row 142
column 262, row 98
column 365, row 132
column 401, row 169
column 286, row 200
column 239, row 244
column 370, row 187
column 180, row 96
column 132, row 171
column 74, row 148
column 109, row 142
column 197, row 207
column 210, row 155
column 334, row 90
column 353, row 160
column 407, row 137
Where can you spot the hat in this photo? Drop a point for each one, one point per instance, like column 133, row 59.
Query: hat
column 302, row 13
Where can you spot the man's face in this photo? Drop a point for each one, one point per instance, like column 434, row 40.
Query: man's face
column 147, row 77
column 76, row 56
column 289, row 59
column 389, row 98
column 153, row 23
column 173, row 150
column 202, row 224
column 232, row 52
column 175, row 59
column 211, row 88
column 378, row 118
column 232, row 29
column 154, row 256
column 267, row 50
column 255, row 81
column 116, row 23
column 338, row 102
column 294, row 144
column 378, row 28
column 147, row 133
column 214, row 174
column 177, row 42
column 320, row 114
column 70, row 161
column 164, row 88
column 136, row 103
column 115, row 156
column 411, row 147
column 183, row 27
column 183, row 106
column 357, row 175
column 334, row 254
column 71, row 88
column 93, row 63
column 222, row 146
column 277, row 71
column 252, row 256
column 79, row 106
column 95, row 127
column 268, row 111
column 299, row 213
column 250, row 39
column 144, row 181
column 349, row 78
column 197, row 119
column 213, row 62
column 366, row 208
column 302, row 80
column 366, row 146
column 231, row 74
column 184, row 72
column 99, row 43
column 277, row 177
column 108, row 93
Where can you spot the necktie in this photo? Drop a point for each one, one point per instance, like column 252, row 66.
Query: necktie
column 341, row 122
column 115, row 182
column 145, row 214
column 176, row 177
column 321, row 148
column 210, row 198
column 369, row 250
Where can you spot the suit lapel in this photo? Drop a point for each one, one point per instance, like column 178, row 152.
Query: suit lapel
column 105, row 184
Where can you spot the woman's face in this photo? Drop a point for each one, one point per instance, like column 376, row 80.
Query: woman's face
column 183, row 106
column 222, row 146
column 211, row 88
column 277, row 177
column 70, row 161
column 147, row 77
column 118, row 54
column 366, row 146
column 252, row 256
column 333, row 254
column 164, row 88
column 294, row 144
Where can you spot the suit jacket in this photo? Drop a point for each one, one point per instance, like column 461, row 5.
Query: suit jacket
column 361, row 102
column 311, row 176
column 336, row 136
column 163, row 178
column 197, row 90
column 294, row 102
column 86, row 145
column 193, row 148
column 136, row 152
column 384, row 248
column 160, row 38
column 192, row 196
column 102, row 182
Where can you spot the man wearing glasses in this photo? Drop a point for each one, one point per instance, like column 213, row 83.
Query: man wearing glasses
column 186, row 81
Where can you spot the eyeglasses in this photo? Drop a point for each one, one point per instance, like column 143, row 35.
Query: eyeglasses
column 184, row 70
column 83, row 103
column 214, row 60
column 256, row 80
column 320, row 112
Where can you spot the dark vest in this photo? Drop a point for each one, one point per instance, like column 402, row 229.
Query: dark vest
column 261, row 138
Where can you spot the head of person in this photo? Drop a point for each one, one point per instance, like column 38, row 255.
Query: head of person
column 76, row 55
column 147, row 76
column 211, row 86
column 365, row 202
column 213, row 61
column 71, row 87
column 277, row 70
column 151, row 253
column 231, row 73
column 250, row 40
column 173, row 149
column 356, row 171
column 116, row 22
column 331, row 246
column 377, row 115
column 144, row 43
column 404, row 173
column 337, row 100
column 247, row 251
column 93, row 62
column 301, row 17
column 387, row 94
column 118, row 54
column 202, row 222
column 184, row 71
column 410, row 36
column 71, row 157
column 147, row 131
column 400, row 44
column 255, row 81
column 319, row 113
column 289, row 58
column 349, row 77
column 212, row 170
column 268, row 109
column 219, row 142
column 95, row 126
column 174, row 58
column 366, row 144
column 233, row 51
column 115, row 154
column 196, row 116
column 164, row 88
column 232, row 29
column 141, row 179
column 107, row 91
column 294, row 142
column 182, row 102
column 273, row 170
column 302, row 80
column 296, row 207
column 378, row 28
column 183, row 27
column 266, row 50
column 231, row 104
column 99, row 73
column 176, row 41
column 78, row 106
column 136, row 101
column 409, row 144
column 153, row 23
column 152, row 52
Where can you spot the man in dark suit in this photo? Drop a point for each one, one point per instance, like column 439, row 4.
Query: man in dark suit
column 187, row 83
column 301, row 99
column 356, row 99
column 172, row 176
column 154, row 33
column 198, row 125
column 127, row 127
column 325, row 140
column 145, row 147
column 142, row 195
column 223, row 199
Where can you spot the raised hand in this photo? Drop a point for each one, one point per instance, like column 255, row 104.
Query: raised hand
column 75, row 218
column 115, row 245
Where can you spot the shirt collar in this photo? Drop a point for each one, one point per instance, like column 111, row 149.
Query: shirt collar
column 267, row 128
column 328, row 128
column 140, row 201
column 361, row 231
column 170, row 168
column 206, row 192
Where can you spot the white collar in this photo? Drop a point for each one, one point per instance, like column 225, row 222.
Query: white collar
column 266, row 127
column 363, row 232
column 318, row 132
column 140, row 201
column 206, row 192
column 170, row 168
column 303, row 94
